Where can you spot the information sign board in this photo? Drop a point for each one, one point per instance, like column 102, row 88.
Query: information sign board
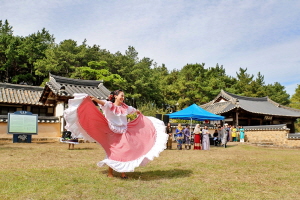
column 22, row 122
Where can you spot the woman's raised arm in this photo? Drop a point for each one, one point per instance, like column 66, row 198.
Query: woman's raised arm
column 97, row 100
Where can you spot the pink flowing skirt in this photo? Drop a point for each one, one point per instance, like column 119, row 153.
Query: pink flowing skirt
column 144, row 139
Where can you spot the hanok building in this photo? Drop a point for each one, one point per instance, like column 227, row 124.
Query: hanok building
column 48, row 102
column 15, row 97
column 251, row 111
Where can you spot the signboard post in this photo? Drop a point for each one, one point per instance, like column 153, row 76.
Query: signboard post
column 22, row 124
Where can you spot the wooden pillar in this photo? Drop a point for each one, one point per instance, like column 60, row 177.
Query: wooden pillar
column 236, row 119
column 59, row 112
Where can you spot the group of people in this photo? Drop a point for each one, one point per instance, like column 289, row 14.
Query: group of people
column 201, row 136
column 183, row 136
column 235, row 134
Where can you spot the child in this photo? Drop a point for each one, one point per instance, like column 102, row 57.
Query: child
column 127, row 145
column 234, row 134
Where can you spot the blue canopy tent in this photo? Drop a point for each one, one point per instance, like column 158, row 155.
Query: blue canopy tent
column 195, row 112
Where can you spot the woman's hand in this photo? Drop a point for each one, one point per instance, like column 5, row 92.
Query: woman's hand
column 138, row 112
column 94, row 99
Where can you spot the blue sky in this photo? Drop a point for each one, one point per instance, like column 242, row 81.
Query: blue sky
column 260, row 35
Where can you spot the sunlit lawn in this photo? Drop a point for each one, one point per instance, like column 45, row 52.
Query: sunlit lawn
column 241, row 171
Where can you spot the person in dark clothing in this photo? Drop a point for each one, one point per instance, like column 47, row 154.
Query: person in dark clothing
column 216, row 137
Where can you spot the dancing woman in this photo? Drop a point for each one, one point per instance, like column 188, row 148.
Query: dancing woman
column 127, row 145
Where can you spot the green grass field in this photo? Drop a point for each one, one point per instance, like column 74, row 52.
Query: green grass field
column 241, row 171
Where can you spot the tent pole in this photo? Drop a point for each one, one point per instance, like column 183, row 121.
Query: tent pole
column 191, row 133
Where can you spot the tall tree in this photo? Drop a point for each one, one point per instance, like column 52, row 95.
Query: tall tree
column 213, row 81
column 33, row 48
column 7, row 44
column 98, row 71
column 295, row 103
column 295, row 99
column 243, row 85
column 189, row 80
column 140, row 85
column 277, row 93
column 259, row 85
column 61, row 59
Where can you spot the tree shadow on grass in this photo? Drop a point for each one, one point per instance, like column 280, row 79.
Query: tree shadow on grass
column 156, row 174
column 6, row 146
column 9, row 148
column 220, row 147
column 85, row 148
column 231, row 145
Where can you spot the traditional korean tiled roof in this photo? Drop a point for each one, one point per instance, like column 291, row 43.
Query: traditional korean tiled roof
column 66, row 87
column 266, row 127
column 20, row 94
column 226, row 101
column 219, row 107
column 294, row 136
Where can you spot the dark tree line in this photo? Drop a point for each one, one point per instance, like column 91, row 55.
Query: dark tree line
column 29, row 59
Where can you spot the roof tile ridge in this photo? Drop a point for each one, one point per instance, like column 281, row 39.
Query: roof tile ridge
column 207, row 104
column 224, row 111
column 226, row 95
column 103, row 88
column 283, row 106
column 20, row 86
column 273, row 102
column 73, row 81
column 215, row 99
column 289, row 108
column 237, row 97
column 222, row 93
column 264, row 112
column 53, row 85
column 224, row 102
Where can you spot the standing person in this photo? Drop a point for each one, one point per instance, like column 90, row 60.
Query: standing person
column 225, row 135
column 219, row 134
column 179, row 136
column 169, row 131
column 230, row 135
column 197, row 137
column 127, row 145
column 242, row 134
column 187, row 137
column 205, row 139
column 234, row 133
column 216, row 137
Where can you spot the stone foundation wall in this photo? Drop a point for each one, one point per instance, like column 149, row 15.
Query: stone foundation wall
column 271, row 137
column 46, row 131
